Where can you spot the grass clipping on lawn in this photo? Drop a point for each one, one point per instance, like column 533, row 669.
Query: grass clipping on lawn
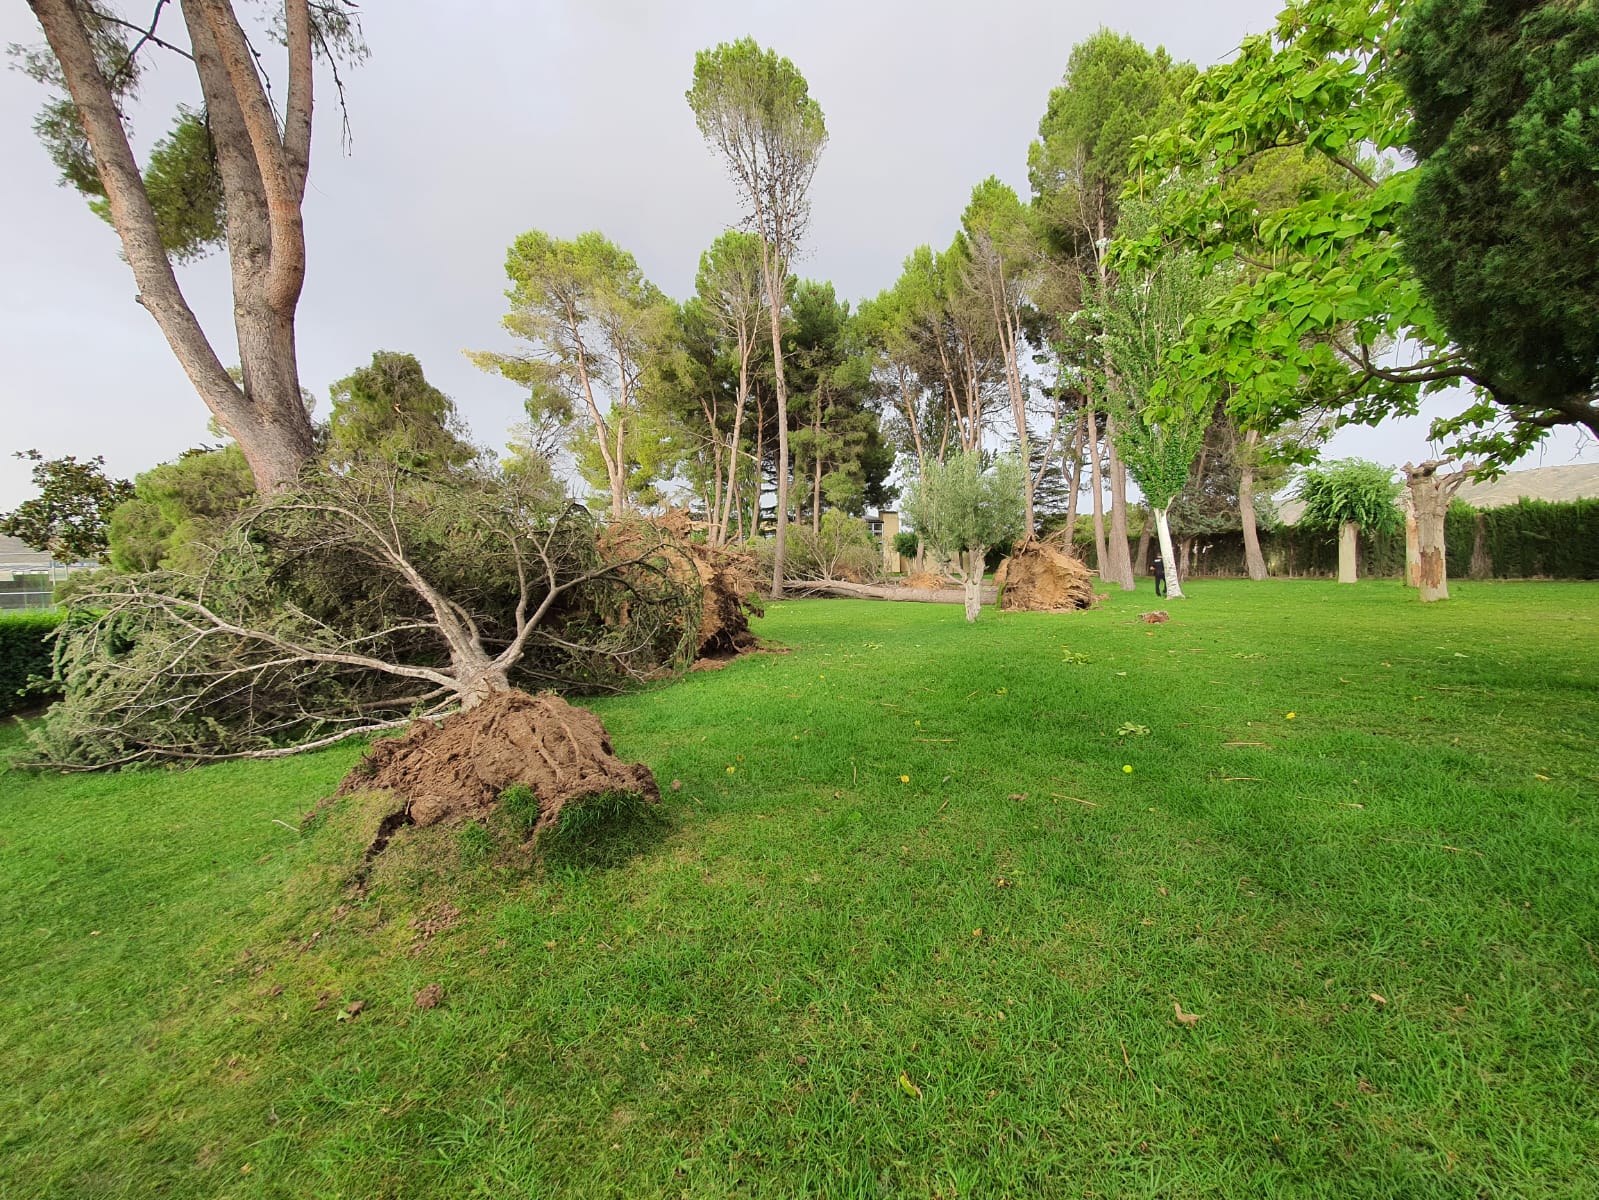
column 1044, row 576
column 458, row 767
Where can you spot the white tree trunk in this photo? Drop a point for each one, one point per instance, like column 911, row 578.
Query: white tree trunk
column 1346, row 551
column 1174, row 586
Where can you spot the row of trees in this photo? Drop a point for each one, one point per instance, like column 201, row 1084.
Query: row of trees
column 1243, row 259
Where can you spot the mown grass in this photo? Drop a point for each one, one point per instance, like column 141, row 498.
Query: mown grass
column 811, row 976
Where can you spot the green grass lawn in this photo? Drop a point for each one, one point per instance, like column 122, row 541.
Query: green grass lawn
column 909, row 928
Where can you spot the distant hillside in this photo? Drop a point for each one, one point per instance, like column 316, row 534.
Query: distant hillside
column 1578, row 481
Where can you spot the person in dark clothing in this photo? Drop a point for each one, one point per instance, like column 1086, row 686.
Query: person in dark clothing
column 1160, row 576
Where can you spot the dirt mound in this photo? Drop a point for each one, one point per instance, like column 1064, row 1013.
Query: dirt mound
column 929, row 581
column 459, row 767
column 1159, row 617
column 1044, row 576
column 728, row 578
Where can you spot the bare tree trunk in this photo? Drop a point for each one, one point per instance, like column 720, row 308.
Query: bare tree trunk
column 972, row 585
column 1121, row 562
column 1174, row 572
column 774, row 293
column 1071, row 469
column 1254, row 560
column 816, row 485
column 263, row 170
column 1348, row 534
column 1141, row 557
column 1482, row 566
column 1097, row 484
column 1430, row 494
column 1412, row 541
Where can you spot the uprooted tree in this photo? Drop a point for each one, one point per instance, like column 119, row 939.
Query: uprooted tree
column 358, row 602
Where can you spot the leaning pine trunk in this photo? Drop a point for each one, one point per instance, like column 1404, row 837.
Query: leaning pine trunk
column 973, row 583
column 1347, row 534
column 1174, row 587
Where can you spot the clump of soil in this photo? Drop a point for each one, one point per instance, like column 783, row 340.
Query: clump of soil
column 429, row 996
column 458, row 767
column 930, row 581
column 1159, row 617
column 1044, row 576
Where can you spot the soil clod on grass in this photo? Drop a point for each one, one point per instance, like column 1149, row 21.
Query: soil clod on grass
column 1044, row 576
column 457, row 768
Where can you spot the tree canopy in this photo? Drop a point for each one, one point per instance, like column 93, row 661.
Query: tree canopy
column 1502, row 228
column 70, row 515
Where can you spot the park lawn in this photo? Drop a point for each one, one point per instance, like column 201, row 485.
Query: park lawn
column 909, row 928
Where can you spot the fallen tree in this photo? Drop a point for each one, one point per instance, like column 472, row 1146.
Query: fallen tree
column 359, row 602
column 988, row 593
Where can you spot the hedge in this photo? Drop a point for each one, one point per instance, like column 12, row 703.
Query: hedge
column 26, row 654
column 1531, row 539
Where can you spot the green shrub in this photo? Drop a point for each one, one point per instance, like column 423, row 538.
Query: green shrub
column 27, row 655
column 906, row 544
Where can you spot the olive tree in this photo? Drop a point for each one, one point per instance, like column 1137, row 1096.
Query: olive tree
column 962, row 507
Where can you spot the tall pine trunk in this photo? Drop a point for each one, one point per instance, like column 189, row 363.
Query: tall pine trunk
column 1254, row 560
column 1120, row 554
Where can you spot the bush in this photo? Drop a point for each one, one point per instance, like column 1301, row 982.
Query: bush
column 843, row 548
column 906, row 544
column 27, row 655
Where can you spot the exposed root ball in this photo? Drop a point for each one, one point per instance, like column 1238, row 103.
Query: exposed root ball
column 727, row 577
column 1044, row 576
column 459, row 767
column 929, row 581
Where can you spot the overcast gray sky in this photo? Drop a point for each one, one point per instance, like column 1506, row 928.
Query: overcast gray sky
column 476, row 121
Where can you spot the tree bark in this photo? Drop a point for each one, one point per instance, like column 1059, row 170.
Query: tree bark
column 1121, row 559
column 1254, row 560
column 1482, row 566
column 972, row 585
column 274, row 433
column 1141, row 555
column 774, row 292
column 1347, row 536
column 1430, row 494
column 1174, row 586
column 1097, row 484
column 1073, row 475
column 1412, row 541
